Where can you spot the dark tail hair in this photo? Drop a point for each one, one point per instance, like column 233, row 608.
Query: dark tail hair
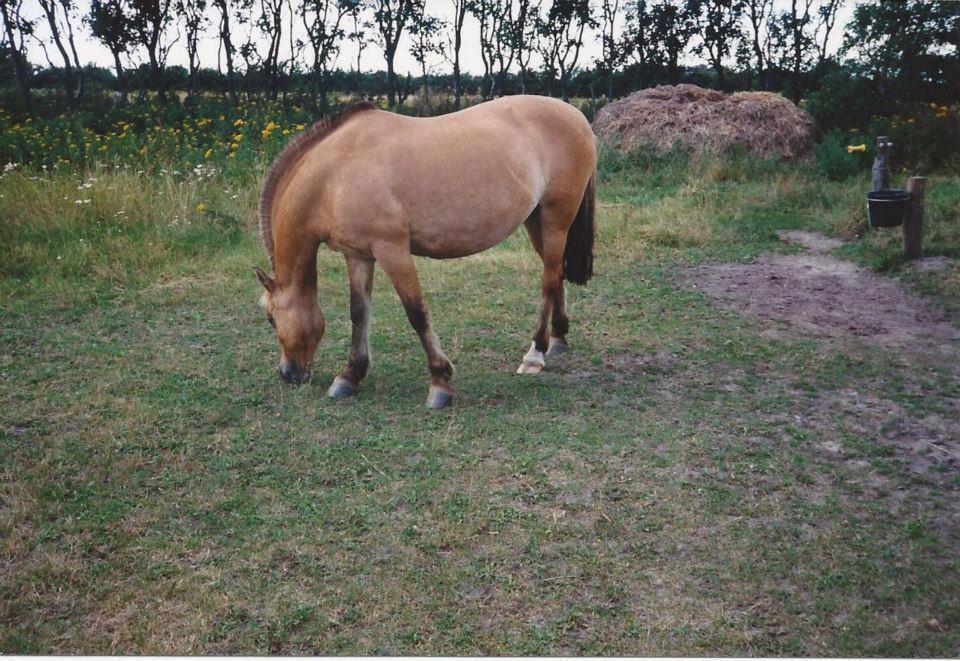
column 578, row 255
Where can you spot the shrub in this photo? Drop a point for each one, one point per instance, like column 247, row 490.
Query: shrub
column 835, row 162
column 925, row 137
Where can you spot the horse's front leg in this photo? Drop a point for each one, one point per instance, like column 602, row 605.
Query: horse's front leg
column 360, row 272
column 397, row 263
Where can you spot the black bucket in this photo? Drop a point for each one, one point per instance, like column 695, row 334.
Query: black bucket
column 888, row 207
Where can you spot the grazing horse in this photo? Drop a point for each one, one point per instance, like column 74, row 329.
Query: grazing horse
column 380, row 187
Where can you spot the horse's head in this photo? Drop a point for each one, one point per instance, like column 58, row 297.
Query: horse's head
column 298, row 320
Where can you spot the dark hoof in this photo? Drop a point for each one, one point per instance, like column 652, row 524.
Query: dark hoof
column 557, row 347
column 438, row 398
column 341, row 389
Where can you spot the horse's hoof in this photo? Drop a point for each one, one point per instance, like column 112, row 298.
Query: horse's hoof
column 529, row 368
column 341, row 389
column 557, row 347
column 438, row 398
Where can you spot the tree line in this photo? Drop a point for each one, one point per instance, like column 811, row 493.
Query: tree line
column 272, row 46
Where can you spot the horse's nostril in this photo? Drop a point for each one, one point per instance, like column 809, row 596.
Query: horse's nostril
column 292, row 373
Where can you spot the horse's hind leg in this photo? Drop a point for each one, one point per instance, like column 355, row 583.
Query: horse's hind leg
column 548, row 234
column 397, row 263
column 360, row 272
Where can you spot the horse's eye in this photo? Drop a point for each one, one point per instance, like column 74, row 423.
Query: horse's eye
column 272, row 322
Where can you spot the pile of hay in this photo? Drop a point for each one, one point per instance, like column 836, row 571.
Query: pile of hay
column 700, row 120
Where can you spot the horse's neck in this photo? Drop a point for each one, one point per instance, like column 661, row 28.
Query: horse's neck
column 295, row 258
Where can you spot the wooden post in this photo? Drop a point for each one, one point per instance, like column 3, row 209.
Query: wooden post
column 913, row 227
column 881, row 164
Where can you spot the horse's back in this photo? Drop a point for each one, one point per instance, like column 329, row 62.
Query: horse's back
column 451, row 185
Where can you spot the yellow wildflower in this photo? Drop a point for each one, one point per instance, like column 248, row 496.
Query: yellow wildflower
column 208, row 153
column 201, row 207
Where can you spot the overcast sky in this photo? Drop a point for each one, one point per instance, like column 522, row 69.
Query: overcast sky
column 90, row 50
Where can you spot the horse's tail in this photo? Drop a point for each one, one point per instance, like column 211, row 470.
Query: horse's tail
column 578, row 255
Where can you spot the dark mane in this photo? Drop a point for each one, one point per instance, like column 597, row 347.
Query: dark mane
column 290, row 155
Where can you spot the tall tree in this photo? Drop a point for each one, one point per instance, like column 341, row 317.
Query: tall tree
column 151, row 20
column 193, row 13
column 523, row 37
column 615, row 42
column 392, row 17
column 561, row 39
column 14, row 25
column 424, row 42
column 718, row 24
column 226, row 44
column 358, row 35
column 671, row 26
column 510, row 40
column 757, row 13
column 454, row 42
column 636, row 39
column 71, row 72
column 909, row 50
column 487, row 13
column 827, row 18
column 110, row 23
column 270, row 23
column 497, row 50
column 322, row 20
column 792, row 42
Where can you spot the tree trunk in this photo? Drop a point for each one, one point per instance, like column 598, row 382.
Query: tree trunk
column 457, row 77
column 50, row 9
column 321, row 83
column 19, row 62
column 121, row 78
column 228, row 53
column 392, row 87
column 155, row 76
column 81, row 78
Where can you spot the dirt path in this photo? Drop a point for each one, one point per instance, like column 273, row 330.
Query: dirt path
column 813, row 293
column 822, row 295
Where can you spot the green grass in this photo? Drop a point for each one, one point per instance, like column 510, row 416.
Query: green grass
column 662, row 490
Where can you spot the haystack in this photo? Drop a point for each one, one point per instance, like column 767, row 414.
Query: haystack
column 701, row 120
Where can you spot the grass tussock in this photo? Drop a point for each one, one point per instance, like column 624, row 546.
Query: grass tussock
column 116, row 224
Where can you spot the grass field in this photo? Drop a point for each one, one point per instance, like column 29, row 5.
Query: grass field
column 683, row 482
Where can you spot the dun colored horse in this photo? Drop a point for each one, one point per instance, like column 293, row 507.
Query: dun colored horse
column 380, row 187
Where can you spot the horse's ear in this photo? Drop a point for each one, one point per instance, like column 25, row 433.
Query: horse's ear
column 268, row 283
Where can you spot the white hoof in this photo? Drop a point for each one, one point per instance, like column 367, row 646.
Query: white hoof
column 532, row 362
column 529, row 368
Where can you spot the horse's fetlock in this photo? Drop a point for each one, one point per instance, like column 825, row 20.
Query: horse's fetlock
column 441, row 369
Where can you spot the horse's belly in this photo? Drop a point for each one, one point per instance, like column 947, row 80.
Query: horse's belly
column 466, row 231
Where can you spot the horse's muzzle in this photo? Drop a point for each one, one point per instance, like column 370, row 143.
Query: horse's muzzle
column 293, row 373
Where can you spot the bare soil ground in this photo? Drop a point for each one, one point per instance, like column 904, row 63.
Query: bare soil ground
column 822, row 295
column 816, row 294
